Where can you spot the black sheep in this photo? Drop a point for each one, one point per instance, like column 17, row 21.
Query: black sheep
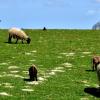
column 33, row 73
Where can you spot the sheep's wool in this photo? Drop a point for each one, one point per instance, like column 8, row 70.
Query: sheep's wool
column 98, row 67
column 18, row 32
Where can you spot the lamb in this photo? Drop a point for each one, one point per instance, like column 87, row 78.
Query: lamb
column 95, row 61
column 17, row 33
column 33, row 73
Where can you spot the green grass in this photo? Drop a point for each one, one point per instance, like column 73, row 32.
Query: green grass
column 49, row 46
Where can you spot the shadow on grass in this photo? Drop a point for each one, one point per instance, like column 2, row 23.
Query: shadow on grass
column 90, row 70
column 15, row 43
column 93, row 91
column 8, row 42
column 28, row 80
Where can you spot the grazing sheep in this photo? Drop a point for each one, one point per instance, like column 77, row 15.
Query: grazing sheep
column 98, row 73
column 44, row 29
column 17, row 33
column 33, row 73
column 96, row 61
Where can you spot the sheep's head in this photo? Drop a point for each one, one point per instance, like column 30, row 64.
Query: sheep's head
column 28, row 40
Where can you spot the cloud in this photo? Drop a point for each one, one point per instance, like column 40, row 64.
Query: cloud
column 56, row 3
column 95, row 12
column 98, row 1
column 91, row 12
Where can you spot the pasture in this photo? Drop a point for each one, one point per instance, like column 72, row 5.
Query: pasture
column 63, row 59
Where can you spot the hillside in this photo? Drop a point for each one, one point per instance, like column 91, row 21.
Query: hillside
column 63, row 59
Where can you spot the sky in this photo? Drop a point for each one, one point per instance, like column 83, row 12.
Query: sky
column 52, row 14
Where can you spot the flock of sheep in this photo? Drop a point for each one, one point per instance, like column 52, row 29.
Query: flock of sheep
column 20, row 34
column 17, row 34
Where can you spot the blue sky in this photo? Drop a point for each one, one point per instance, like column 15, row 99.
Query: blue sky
column 69, row 14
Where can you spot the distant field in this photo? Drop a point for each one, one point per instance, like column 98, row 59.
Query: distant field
column 63, row 59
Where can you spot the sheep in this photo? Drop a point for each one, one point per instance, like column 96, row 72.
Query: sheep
column 98, row 73
column 33, row 73
column 95, row 61
column 44, row 29
column 17, row 33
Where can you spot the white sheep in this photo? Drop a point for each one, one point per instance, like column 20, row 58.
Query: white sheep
column 98, row 73
column 17, row 33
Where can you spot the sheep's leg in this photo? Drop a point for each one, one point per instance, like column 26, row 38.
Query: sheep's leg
column 16, row 40
column 94, row 65
column 31, row 78
column 22, row 41
column 9, row 39
column 36, row 78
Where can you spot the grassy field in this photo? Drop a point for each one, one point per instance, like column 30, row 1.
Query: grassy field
column 63, row 59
